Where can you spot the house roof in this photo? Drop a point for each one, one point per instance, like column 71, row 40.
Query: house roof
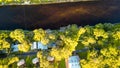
column 50, row 58
column 38, row 45
column 73, row 62
column 73, row 59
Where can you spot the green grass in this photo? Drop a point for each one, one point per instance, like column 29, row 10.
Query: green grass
column 62, row 64
column 81, row 54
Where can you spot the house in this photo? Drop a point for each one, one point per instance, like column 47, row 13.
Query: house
column 21, row 63
column 14, row 47
column 50, row 58
column 73, row 62
column 35, row 60
column 38, row 45
column 41, row 46
column 34, row 46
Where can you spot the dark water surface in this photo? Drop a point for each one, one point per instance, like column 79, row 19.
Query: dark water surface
column 56, row 15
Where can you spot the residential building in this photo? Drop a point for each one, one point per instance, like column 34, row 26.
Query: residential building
column 73, row 62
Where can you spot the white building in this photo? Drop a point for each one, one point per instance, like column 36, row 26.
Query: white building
column 73, row 62
column 38, row 45
column 34, row 46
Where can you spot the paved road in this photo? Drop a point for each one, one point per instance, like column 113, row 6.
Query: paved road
column 27, row 54
column 35, row 52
